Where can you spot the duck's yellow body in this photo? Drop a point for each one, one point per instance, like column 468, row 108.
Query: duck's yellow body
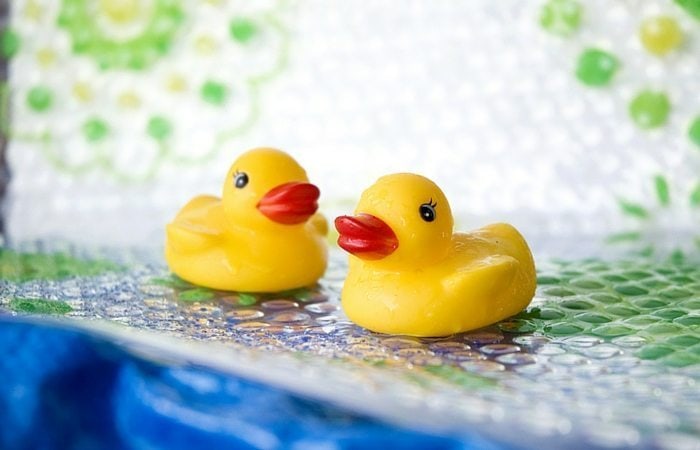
column 488, row 275
column 263, row 235
column 425, row 280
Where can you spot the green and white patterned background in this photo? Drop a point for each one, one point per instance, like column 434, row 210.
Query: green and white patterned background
column 119, row 111
column 122, row 87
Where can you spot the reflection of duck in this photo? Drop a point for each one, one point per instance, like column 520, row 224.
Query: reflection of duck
column 409, row 274
column 262, row 235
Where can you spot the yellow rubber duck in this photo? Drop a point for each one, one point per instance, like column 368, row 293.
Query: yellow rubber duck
column 409, row 274
column 263, row 235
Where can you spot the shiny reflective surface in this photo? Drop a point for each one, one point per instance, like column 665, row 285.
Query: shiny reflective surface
column 601, row 343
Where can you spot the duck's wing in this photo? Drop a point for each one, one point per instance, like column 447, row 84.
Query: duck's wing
column 195, row 227
column 187, row 236
column 483, row 277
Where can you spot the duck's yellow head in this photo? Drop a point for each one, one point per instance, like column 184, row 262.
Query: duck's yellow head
column 403, row 220
column 267, row 186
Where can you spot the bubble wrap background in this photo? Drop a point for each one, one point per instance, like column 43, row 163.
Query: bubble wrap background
column 473, row 94
column 606, row 356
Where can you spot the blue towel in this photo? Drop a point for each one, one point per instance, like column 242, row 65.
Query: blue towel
column 65, row 388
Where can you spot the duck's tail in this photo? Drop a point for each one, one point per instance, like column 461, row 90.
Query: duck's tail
column 319, row 222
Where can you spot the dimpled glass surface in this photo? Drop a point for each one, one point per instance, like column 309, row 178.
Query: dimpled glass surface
column 607, row 355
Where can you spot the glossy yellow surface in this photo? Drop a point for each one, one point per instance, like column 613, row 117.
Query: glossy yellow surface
column 436, row 282
column 228, row 243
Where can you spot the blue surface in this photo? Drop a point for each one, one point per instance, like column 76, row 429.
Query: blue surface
column 63, row 388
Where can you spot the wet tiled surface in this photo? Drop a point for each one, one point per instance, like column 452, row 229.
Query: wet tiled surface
column 608, row 353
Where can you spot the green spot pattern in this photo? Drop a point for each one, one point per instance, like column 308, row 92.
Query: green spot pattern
column 188, row 292
column 172, row 281
column 247, row 299
column 9, row 43
column 561, row 17
column 633, row 209
column 460, row 377
column 694, row 131
column 625, row 236
column 95, row 129
column 39, row 98
column 650, row 109
column 662, row 190
column 214, row 93
column 695, row 196
column 659, row 302
column 21, row 267
column 692, row 7
column 136, row 53
column 243, row 30
column 39, row 306
column 159, row 128
column 196, row 295
column 302, row 294
column 596, row 67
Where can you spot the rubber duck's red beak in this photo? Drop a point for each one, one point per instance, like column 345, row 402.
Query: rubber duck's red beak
column 290, row 203
column 366, row 236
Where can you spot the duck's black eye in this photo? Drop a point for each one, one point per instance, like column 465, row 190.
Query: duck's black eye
column 427, row 211
column 240, row 179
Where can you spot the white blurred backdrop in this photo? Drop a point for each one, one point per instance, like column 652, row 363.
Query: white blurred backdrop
column 475, row 95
